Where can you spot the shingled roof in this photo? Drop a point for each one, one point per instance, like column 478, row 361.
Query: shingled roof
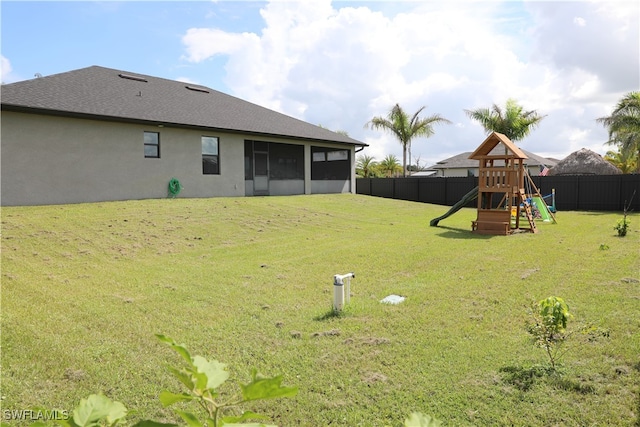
column 107, row 94
column 462, row 160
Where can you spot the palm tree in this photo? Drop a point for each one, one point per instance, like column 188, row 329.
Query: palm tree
column 624, row 125
column 406, row 128
column 365, row 166
column 390, row 166
column 625, row 160
column 513, row 121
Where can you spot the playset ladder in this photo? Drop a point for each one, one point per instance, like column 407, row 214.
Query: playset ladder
column 527, row 210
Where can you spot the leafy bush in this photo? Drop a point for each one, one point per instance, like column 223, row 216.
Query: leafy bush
column 548, row 326
column 203, row 379
column 622, row 226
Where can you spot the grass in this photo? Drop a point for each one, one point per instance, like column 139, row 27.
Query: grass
column 248, row 281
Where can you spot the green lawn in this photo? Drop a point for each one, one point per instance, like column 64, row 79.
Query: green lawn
column 249, row 282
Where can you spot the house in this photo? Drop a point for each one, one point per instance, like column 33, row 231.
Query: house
column 99, row 134
column 584, row 162
column 462, row 165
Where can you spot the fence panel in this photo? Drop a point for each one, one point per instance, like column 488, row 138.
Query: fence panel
column 576, row 192
column 457, row 187
column 363, row 186
column 599, row 193
column 406, row 189
column 432, row 190
column 383, row 187
column 630, row 192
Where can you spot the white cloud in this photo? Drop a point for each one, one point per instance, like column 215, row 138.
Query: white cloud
column 203, row 43
column 340, row 66
column 607, row 47
column 580, row 22
column 5, row 68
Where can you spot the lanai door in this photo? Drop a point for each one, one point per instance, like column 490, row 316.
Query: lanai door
column 260, row 168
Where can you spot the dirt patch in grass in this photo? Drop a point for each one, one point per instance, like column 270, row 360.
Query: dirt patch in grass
column 373, row 377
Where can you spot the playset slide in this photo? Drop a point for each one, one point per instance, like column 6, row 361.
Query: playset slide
column 469, row 197
column 542, row 207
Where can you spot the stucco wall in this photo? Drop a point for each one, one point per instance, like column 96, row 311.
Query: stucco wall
column 330, row 186
column 53, row 160
column 457, row 172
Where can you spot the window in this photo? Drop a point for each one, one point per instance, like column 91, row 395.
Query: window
column 319, row 156
column 333, row 156
column 152, row 145
column 330, row 164
column 210, row 156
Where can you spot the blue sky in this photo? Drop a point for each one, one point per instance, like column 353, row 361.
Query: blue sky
column 338, row 64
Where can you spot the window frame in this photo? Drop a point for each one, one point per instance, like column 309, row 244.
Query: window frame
column 155, row 144
column 330, row 164
column 205, row 155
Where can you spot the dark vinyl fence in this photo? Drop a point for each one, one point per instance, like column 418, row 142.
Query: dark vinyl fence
column 573, row 193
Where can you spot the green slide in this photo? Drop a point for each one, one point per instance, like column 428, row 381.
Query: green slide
column 541, row 206
column 469, row 197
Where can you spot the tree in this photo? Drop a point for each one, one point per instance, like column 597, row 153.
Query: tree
column 513, row 121
column 417, row 167
column 548, row 326
column 624, row 125
column 624, row 159
column 390, row 166
column 406, row 128
column 365, row 166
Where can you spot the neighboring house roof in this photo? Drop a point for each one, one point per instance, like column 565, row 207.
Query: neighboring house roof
column 584, row 162
column 108, row 94
column 462, row 160
column 494, row 140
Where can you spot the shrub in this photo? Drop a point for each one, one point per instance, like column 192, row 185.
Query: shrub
column 548, row 326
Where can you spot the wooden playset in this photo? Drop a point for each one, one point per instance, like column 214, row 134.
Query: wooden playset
column 501, row 188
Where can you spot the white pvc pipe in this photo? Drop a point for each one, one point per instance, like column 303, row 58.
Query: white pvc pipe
column 338, row 296
column 339, row 290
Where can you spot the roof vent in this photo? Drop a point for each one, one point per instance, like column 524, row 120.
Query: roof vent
column 197, row 89
column 130, row 77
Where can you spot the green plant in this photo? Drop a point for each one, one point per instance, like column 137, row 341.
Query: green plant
column 96, row 410
column 203, row 379
column 548, row 326
column 622, row 226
